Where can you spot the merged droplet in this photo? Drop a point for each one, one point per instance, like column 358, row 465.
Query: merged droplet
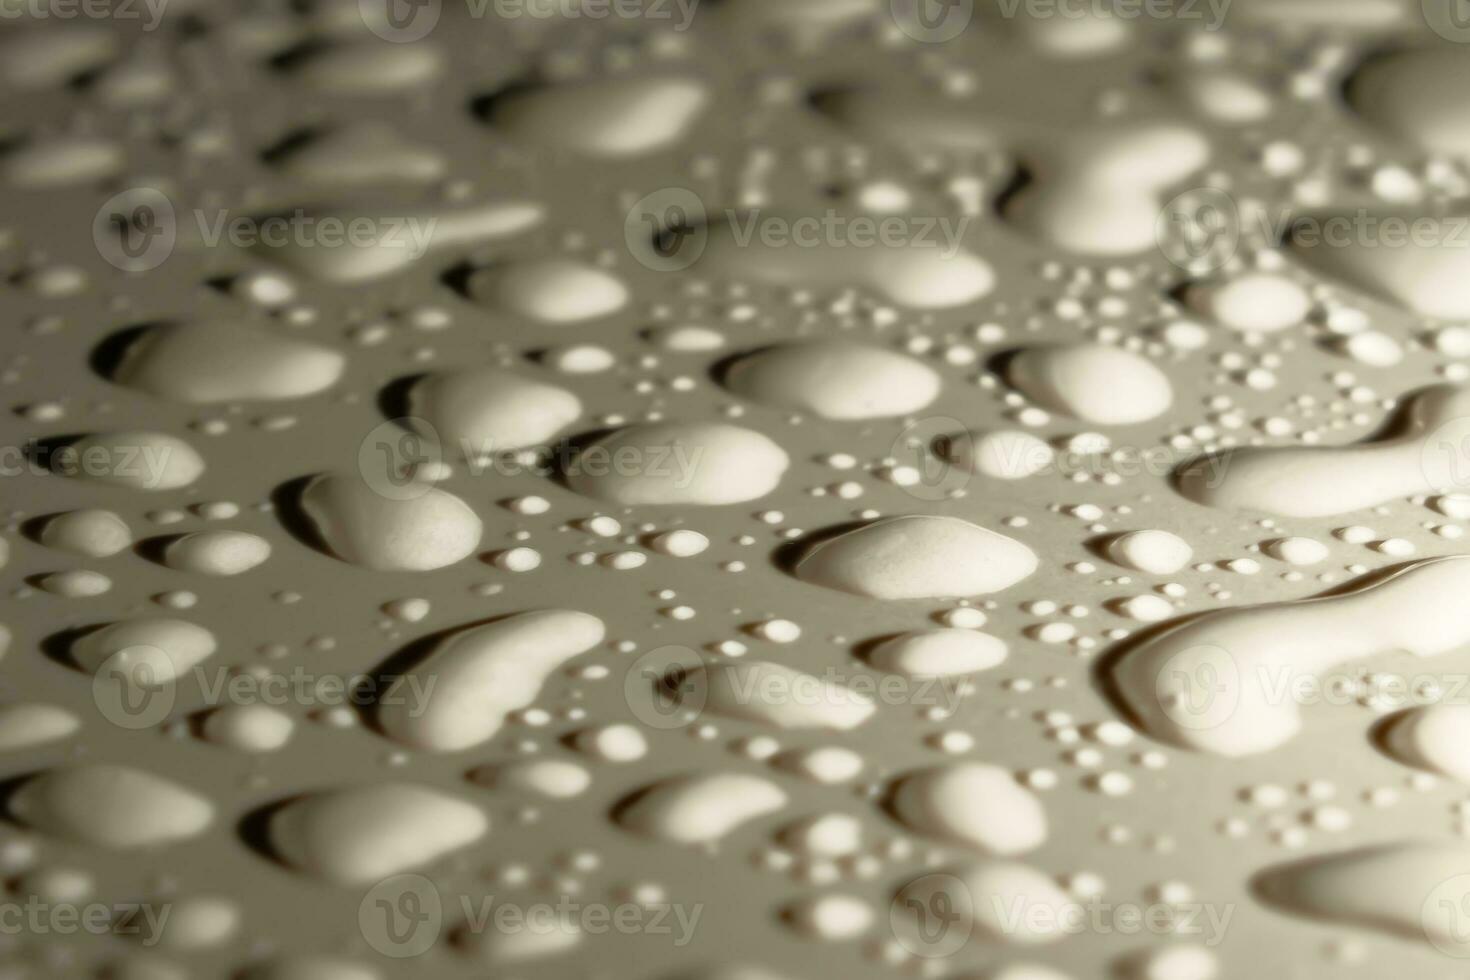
column 918, row 557
column 555, row 291
column 1093, row 382
column 61, row 161
column 699, row 463
column 1222, row 682
column 111, row 806
column 1100, row 192
column 152, row 651
column 1414, row 889
column 136, row 460
column 485, row 410
column 939, row 653
column 205, row 363
column 459, row 695
column 362, row 834
column 367, row 68
column 382, row 242
column 1432, row 738
column 24, row 725
column 1321, row 481
column 1409, row 93
column 835, row 379
column 217, row 552
column 972, row 803
column 557, row 779
column 700, row 809
column 367, row 153
column 775, row 694
column 416, row 533
column 612, row 118
column 1428, row 273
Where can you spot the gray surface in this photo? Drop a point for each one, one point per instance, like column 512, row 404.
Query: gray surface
column 1172, row 817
